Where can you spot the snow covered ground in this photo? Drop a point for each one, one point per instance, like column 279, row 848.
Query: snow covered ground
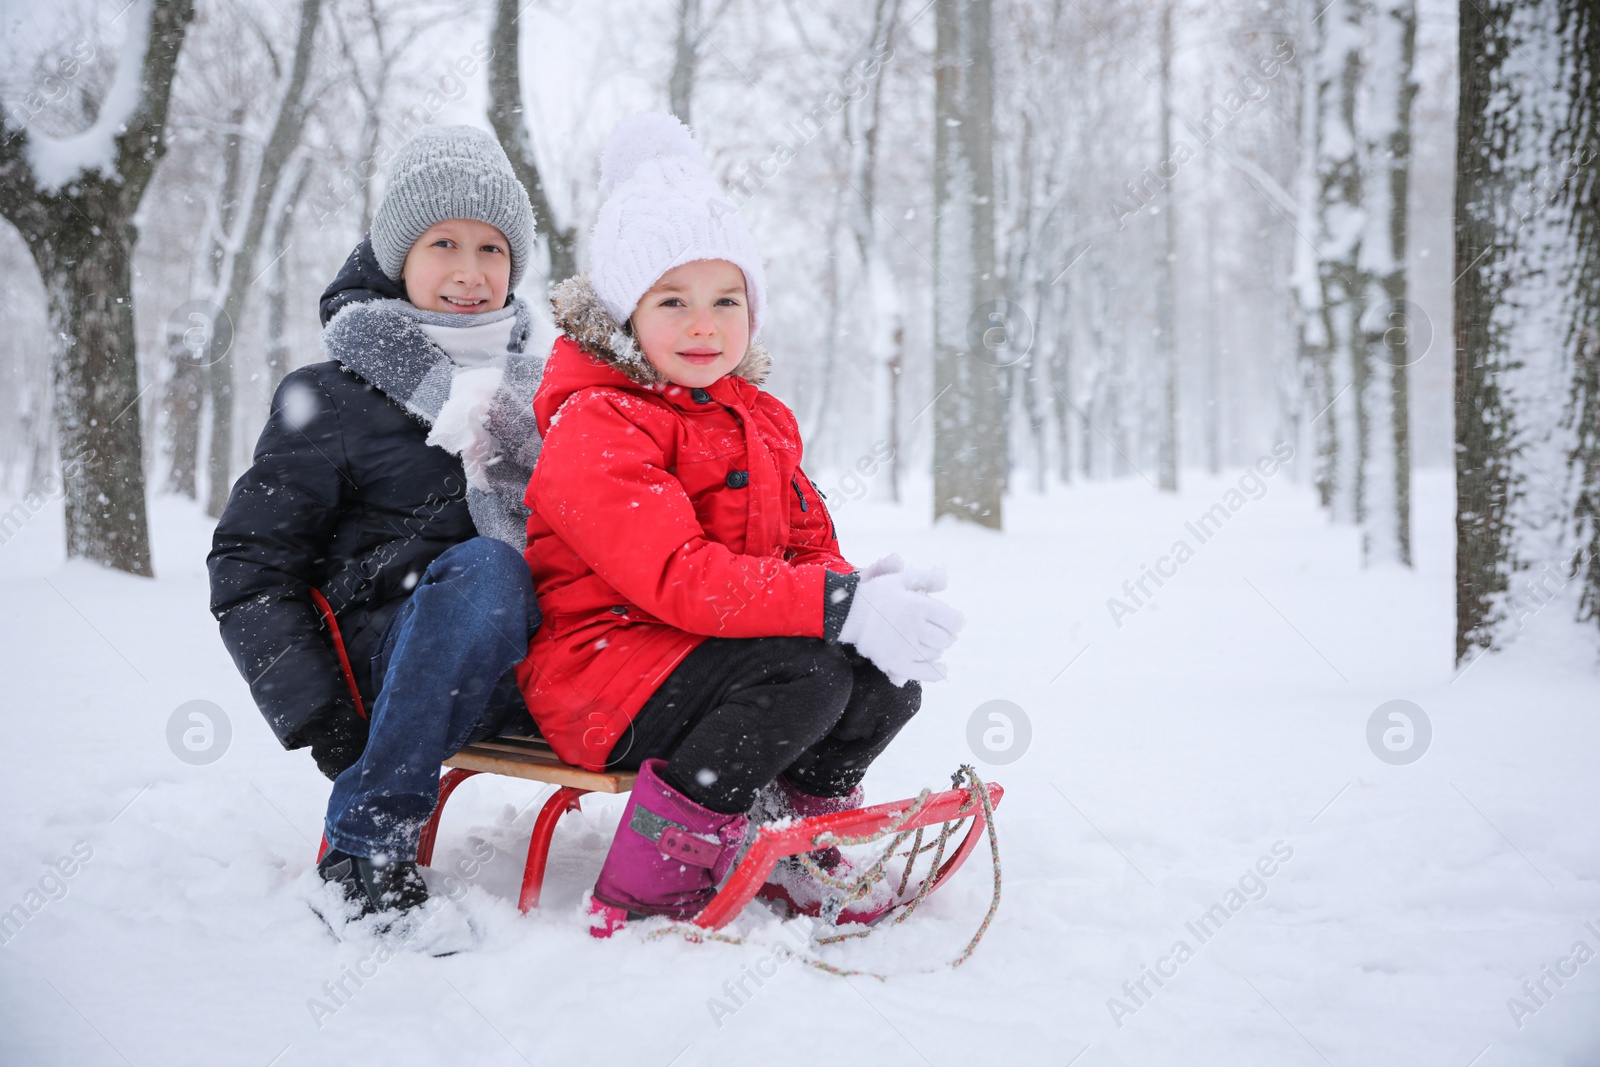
column 1208, row 755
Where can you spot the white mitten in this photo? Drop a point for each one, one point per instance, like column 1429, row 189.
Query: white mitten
column 461, row 426
column 894, row 622
column 889, row 564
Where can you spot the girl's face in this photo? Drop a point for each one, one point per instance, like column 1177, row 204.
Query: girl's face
column 459, row 265
column 694, row 323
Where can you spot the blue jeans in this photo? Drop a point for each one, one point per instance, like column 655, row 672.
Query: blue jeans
column 444, row 679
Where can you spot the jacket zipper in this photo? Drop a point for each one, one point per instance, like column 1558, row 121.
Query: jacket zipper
column 795, row 481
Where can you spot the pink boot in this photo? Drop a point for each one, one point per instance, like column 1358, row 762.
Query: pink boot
column 668, row 857
column 797, row 887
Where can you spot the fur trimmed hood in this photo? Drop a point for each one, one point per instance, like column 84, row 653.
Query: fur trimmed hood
column 579, row 313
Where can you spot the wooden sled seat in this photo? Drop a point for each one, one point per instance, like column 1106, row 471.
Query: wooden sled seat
column 530, row 758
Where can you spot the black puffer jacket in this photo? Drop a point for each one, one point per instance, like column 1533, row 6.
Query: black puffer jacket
column 345, row 496
column 360, row 279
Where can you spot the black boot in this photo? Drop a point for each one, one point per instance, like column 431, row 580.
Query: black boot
column 393, row 885
column 390, row 885
column 339, row 868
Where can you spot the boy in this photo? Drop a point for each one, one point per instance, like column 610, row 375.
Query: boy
column 371, row 484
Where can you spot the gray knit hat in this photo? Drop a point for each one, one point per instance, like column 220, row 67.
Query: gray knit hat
column 451, row 172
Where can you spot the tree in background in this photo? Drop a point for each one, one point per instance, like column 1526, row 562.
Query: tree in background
column 885, row 326
column 73, row 199
column 1166, row 356
column 1065, row 333
column 507, row 121
column 238, row 272
column 969, row 462
column 1384, row 478
column 1527, row 305
column 1338, row 226
column 190, row 337
column 1350, row 273
column 1580, row 140
column 685, row 59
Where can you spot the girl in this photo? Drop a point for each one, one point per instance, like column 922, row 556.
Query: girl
column 699, row 622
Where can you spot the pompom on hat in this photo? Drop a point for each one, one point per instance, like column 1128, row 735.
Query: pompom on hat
column 451, row 172
column 663, row 209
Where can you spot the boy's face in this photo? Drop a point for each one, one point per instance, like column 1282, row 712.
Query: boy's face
column 694, row 323
column 459, row 265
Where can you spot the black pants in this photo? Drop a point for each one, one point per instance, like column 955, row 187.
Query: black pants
column 737, row 712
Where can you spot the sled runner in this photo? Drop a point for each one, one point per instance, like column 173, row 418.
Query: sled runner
column 530, row 758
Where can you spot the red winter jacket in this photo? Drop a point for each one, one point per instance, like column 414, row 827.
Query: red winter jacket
column 660, row 516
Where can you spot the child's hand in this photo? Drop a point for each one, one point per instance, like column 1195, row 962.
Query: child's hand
column 898, row 625
column 337, row 735
column 890, row 564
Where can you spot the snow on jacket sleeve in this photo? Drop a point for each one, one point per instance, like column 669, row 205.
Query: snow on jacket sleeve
column 602, row 485
column 271, row 538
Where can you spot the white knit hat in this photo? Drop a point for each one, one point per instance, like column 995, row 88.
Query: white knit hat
column 451, row 172
column 663, row 209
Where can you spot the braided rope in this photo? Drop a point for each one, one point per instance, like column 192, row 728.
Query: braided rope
column 858, row 887
column 994, row 853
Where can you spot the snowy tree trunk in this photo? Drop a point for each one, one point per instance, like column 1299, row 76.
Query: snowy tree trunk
column 1211, row 412
column 881, row 293
column 241, row 270
column 1385, row 478
column 685, row 57
column 1339, row 225
column 506, row 119
column 1525, row 311
column 1060, row 371
column 1166, row 289
column 1314, row 372
column 181, row 403
column 1036, row 389
column 969, row 467
column 88, row 284
column 73, row 201
column 278, row 280
column 195, row 339
column 822, row 401
column 368, row 198
column 1582, row 197
column 886, row 343
column 1484, row 422
column 1105, row 384
column 1586, row 453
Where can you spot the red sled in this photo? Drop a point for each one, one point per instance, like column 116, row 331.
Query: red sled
column 532, row 759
